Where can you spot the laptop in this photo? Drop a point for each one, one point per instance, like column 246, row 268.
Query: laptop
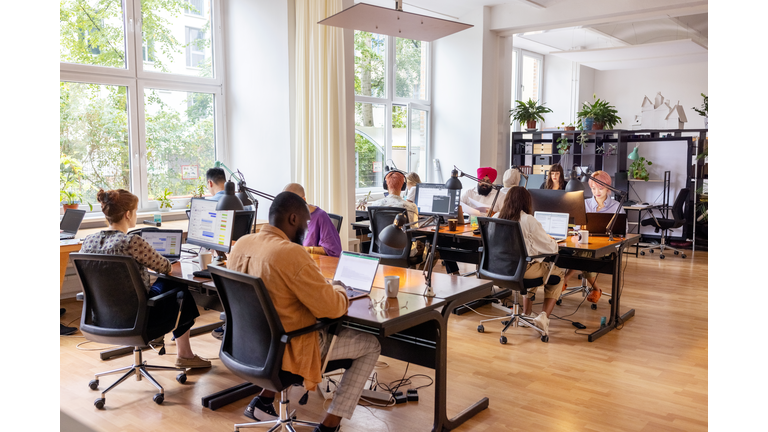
column 598, row 222
column 70, row 223
column 166, row 242
column 357, row 272
column 555, row 224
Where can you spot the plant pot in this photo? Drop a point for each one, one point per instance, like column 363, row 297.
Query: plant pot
column 597, row 126
column 570, row 128
column 530, row 124
column 70, row 206
column 587, row 123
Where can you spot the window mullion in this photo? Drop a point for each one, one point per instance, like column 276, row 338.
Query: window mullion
column 140, row 154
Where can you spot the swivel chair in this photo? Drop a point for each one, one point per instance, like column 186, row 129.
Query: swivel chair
column 116, row 311
column 255, row 340
column 665, row 224
column 336, row 220
column 504, row 261
column 381, row 217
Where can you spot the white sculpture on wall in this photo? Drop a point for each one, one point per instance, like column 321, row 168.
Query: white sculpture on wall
column 659, row 114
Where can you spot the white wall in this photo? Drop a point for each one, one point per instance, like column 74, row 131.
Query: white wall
column 258, row 127
column 457, row 80
column 625, row 89
column 557, row 80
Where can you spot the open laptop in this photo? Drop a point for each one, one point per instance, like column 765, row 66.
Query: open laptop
column 166, row 242
column 555, row 224
column 357, row 272
column 598, row 222
column 70, row 223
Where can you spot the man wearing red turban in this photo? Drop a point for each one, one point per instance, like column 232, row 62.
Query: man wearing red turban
column 478, row 200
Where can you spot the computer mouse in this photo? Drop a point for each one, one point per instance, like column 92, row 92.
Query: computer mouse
column 645, row 204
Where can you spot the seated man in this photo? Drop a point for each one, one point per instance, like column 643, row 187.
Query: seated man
column 476, row 201
column 322, row 237
column 301, row 295
column 216, row 178
column 394, row 181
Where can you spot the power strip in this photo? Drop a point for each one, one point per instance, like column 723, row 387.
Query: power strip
column 377, row 396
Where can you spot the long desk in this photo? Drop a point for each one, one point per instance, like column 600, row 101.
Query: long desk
column 413, row 328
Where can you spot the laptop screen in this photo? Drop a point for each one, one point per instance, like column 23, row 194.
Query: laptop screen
column 70, row 223
column 555, row 224
column 167, row 243
column 357, row 271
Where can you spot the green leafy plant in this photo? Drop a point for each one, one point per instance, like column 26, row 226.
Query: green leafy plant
column 71, row 179
column 601, row 111
column 563, row 144
column 165, row 199
column 529, row 111
column 704, row 111
column 639, row 169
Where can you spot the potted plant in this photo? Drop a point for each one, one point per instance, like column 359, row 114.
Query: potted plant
column 563, row 144
column 586, row 119
column 639, row 169
column 569, row 127
column 164, row 200
column 70, row 179
column 598, row 115
column 528, row 113
column 198, row 192
column 704, row 111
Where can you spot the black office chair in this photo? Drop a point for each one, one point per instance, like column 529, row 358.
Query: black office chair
column 504, row 261
column 381, row 217
column 336, row 220
column 255, row 340
column 665, row 224
column 116, row 311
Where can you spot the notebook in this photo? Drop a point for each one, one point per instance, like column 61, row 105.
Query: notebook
column 598, row 222
column 70, row 223
column 555, row 224
column 166, row 242
column 357, row 272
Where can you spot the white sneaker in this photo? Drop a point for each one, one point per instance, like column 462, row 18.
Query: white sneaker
column 542, row 322
column 531, row 317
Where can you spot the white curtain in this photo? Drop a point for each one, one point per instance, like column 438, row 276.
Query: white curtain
column 322, row 151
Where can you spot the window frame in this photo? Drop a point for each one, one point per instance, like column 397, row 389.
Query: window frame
column 390, row 100
column 517, row 74
column 137, row 80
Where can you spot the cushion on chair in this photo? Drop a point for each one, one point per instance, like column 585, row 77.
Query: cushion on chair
column 663, row 223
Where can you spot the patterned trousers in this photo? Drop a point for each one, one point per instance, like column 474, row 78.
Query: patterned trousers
column 364, row 350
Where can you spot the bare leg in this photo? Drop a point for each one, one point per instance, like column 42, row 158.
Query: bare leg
column 527, row 305
column 549, row 305
column 183, row 348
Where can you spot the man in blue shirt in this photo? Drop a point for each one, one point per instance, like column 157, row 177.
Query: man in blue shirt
column 215, row 178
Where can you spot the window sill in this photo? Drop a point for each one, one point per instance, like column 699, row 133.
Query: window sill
column 97, row 220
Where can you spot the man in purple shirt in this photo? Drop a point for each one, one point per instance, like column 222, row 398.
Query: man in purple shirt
column 322, row 236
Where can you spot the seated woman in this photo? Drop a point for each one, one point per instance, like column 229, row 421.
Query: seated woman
column 119, row 207
column 411, row 180
column 599, row 203
column 555, row 179
column 518, row 207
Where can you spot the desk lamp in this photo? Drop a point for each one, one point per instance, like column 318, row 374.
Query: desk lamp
column 455, row 173
column 394, row 236
column 245, row 194
column 576, row 185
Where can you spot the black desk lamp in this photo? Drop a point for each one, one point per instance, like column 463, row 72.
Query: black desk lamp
column 394, row 236
column 576, row 185
column 244, row 195
column 456, row 173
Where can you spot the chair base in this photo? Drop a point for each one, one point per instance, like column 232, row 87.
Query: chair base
column 140, row 370
column 284, row 423
column 514, row 318
column 662, row 247
column 584, row 289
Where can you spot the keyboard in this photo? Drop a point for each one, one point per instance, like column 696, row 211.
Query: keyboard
column 351, row 292
column 66, row 236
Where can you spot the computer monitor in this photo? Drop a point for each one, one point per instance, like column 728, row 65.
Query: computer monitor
column 534, row 181
column 559, row 201
column 434, row 199
column 208, row 227
column 243, row 223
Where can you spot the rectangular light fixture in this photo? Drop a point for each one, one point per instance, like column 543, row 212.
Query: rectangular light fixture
column 393, row 22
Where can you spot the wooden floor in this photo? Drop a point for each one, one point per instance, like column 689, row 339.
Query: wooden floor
column 649, row 376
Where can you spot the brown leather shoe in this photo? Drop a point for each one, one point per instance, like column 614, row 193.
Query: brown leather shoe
column 594, row 295
column 192, row 363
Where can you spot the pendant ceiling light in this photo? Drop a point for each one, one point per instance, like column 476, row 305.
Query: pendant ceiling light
column 394, row 22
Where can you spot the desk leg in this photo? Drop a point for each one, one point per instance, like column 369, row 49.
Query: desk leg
column 615, row 317
column 442, row 422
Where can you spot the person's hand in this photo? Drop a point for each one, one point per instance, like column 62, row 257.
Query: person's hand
column 339, row 283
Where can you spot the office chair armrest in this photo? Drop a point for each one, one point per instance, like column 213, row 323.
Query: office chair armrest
column 547, row 257
column 153, row 301
column 319, row 325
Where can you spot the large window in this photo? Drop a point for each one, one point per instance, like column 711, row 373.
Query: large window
column 138, row 110
column 526, row 77
column 392, row 107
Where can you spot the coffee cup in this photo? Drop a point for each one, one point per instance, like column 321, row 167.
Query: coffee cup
column 452, row 224
column 205, row 259
column 583, row 237
column 392, row 285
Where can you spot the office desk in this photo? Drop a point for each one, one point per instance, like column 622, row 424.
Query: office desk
column 414, row 327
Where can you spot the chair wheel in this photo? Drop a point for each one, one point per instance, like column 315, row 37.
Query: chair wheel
column 99, row 403
column 610, row 301
column 683, row 255
column 677, row 253
column 533, row 297
column 594, row 306
column 94, row 384
column 480, row 328
column 503, row 340
column 181, row 378
column 505, row 322
column 162, row 351
column 650, row 250
column 158, row 398
column 559, row 302
column 642, row 253
column 545, row 338
column 661, row 256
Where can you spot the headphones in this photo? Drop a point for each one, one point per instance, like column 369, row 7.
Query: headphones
column 392, row 170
